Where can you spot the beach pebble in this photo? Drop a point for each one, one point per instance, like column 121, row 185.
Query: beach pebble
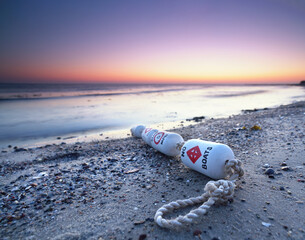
column 139, row 222
column 256, row 127
column 142, row 237
column 20, row 149
column 266, row 224
column 286, row 168
column 40, row 175
column 269, row 171
column 197, row 232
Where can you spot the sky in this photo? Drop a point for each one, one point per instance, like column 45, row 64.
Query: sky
column 152, row 41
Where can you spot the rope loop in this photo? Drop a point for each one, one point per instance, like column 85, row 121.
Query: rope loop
column 215, row 192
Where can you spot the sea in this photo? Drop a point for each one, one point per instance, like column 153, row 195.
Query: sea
column 33, row 114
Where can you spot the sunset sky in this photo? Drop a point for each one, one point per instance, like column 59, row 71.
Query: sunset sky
column 181, row 41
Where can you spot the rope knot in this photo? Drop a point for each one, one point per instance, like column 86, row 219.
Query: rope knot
column 221, row 190
column 233, row 169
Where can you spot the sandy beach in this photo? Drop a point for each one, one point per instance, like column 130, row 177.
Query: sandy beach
column 111, row 189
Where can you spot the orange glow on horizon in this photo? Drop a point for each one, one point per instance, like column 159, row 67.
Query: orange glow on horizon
column 187, row 66
column 175, row 72
column 75, row 77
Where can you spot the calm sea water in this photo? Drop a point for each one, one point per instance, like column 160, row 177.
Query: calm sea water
column 36, row 112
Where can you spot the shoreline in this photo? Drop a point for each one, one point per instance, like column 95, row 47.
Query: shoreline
column 70, row 191
column 88, row 137
column 49, row 120
column 106, row 134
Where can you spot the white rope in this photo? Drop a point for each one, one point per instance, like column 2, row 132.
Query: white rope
column 215, row 192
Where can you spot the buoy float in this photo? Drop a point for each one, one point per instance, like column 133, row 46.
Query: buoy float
column 147, row 135
column 206, row 157
column 167, row 143
column 137, row 131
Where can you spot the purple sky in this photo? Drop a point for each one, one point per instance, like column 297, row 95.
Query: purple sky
column 152, row 41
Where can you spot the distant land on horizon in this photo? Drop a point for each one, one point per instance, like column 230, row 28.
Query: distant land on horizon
column 29, row 83
column 145, row 82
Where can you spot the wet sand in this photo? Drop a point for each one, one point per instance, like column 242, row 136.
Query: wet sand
column 111, row 189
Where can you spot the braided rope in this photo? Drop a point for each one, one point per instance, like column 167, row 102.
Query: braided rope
column 215, row 192
column 233, row 169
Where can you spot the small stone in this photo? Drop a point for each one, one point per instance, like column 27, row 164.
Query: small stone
column 116, row 188
column 39, row 159
column 266, row 224
column 40, row 175
column 197, row 232
column 85, row 165
column 132, row 171
column 286, row 168
column 139, row 222
column 283, row 164
column 282, row 188
column 15, row 189
column 49, row 209
column 20, row 149
column 142, row 237
column 256, row 127
column 269, row 171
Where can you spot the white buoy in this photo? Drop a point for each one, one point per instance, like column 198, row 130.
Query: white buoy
column 206, row 157
column 167, row 143
column 147, row 135
column 137, row 131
